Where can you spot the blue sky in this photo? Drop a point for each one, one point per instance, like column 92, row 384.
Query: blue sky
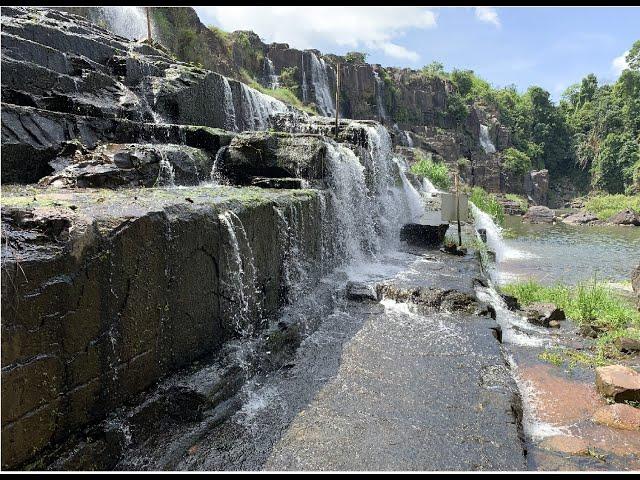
column 550, row 47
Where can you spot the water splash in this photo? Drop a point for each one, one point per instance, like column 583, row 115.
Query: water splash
column 485, row 140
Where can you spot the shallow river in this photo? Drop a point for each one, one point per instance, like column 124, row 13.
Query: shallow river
column 566, row 253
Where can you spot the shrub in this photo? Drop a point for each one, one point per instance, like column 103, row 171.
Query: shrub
column 436, row 172
column 515, row 162
column 355, row 57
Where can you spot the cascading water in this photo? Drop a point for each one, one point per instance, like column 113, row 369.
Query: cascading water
column 228, row 106
column 304, row 85
column 320, row 81
column 215, row 176
column 382, row 113
column 414, row 199
column 258, row 108
column 485, row 140
column 294, row 267
column 495, row 242
column 166, row 173
column 128, row 22
column 241, row 283
column 272, row 80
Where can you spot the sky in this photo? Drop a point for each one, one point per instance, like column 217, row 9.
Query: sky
column 549, row 47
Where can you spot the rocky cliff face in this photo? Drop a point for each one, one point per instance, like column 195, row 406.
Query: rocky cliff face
column 148, row 222
column 413, row 106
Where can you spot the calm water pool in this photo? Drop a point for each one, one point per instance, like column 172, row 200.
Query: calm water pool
column 569, row 254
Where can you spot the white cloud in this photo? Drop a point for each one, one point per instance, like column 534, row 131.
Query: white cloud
column 373, row 28
column 488, row 15
column 620, row 63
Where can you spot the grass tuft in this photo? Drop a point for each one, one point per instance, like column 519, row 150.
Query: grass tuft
column 488, row 203
column 605, row 206
column 436, row 172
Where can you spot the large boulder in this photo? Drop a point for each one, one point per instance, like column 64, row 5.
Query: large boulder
column 423, row 235
column 274, row 155
column 539, row 214
column 580, row 218
column 618, row 383
column 627, row 216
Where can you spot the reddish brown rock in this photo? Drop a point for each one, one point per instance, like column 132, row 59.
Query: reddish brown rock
column 618, row 382
column 566, row 444
column 618, row 415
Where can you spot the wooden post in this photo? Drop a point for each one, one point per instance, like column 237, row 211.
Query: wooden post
column 337, row 96
column 148, row 25
column 455, row 176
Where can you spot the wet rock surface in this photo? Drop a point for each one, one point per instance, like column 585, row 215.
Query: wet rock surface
column 618, row 382
column 359, row 292
column 619, row 415
column 543, row 313
column 423, row 235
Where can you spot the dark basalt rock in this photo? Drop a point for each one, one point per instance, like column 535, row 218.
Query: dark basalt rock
column 274, row 155
column 543, row 313
column 626, row 217
column 287, row 183
column 423, row 235
column 119, row 165
column 360, row 292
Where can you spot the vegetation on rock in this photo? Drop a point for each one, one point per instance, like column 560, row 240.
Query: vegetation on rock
column 590, row 303
column 605, row 206
column 436, row 172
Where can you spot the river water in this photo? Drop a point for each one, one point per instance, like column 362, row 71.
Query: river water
column 568, row 253
column 559, row 401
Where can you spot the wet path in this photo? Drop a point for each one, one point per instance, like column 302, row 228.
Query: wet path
column 375, row 387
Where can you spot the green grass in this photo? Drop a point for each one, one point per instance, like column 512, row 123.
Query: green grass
column 588, row 303
column 487, row 202
column 436, row 172
column 605, row 206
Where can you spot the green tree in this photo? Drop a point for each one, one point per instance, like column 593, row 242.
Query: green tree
column 633, row 57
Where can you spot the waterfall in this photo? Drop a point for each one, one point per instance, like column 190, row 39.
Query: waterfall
column 294, row 267
column 166, row 174
column 407, row 138
column 241, row 284
column 428, row 187
column 215, row 176
column 351, row 206
column 320, row 81
column 258, row 108
column 272, row 80
column 485, row 140
column 228, row 106
column 305, row 86
column 495, row 242
column 414, row 199
column 128, row 22
column 382, row 113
